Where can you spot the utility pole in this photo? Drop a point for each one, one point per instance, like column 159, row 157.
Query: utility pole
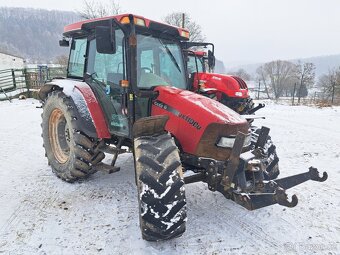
column 183, row 19
column 299, row 95
column 333, row 92
column 258, row 91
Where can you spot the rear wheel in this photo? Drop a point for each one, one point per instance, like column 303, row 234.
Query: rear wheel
column 161, row 193
column 272, row 160
column 70, row 153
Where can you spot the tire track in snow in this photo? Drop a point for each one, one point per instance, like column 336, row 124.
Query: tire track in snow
column 27, row 217
column 13, row 219
column 243, row 225
column 255, row 233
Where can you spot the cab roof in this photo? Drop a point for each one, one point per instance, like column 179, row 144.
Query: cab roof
column 197, row 53
column 79, row 28
column 200, row 53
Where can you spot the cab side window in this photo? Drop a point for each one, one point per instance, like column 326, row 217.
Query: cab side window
column 191, row 64
column 147, row 61
column 77, row 58
column 107, row 68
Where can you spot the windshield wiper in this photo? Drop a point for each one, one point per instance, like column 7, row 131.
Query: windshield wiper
column 173, row 59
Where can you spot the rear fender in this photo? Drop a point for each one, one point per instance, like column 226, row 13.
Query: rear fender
column 90, row 119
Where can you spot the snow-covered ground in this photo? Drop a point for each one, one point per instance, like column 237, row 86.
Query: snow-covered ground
column 40, row 214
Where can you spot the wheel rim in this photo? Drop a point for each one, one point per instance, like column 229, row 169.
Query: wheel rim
column 59, row 134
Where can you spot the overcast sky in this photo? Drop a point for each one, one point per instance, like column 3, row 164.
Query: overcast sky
column 244, row 31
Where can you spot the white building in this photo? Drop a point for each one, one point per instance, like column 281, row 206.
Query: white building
column 8, row 61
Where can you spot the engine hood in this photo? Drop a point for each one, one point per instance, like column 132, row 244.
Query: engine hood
column 230, row 85
column 192, row 115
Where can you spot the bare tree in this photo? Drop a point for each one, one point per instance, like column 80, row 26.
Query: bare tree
column 330, row 83
column 305, row 75
column 278, row 74
column 61, row 60
column 95, row 9
column 195, row 30
column 242, row 74
column 261, row 76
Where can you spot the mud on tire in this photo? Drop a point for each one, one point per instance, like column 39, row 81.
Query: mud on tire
column 161, row 193
column 272, row 160
column 70, row 153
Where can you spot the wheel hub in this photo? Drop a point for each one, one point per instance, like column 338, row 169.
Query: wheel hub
column 59, row 134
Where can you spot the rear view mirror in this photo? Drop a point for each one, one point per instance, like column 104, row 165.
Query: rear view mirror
column 64, row 43
column 211, row 59
column 105, row 40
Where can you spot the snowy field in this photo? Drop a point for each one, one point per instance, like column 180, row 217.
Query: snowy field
column 40, row 214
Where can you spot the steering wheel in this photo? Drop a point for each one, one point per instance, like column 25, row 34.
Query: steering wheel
column 146, row 69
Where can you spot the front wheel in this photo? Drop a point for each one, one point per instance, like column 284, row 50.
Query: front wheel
column 272, row 160
column 161, row 193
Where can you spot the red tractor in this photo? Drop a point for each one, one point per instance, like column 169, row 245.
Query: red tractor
column 230, row 90
column 126, row 86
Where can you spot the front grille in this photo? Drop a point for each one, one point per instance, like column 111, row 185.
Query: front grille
column 240, row 82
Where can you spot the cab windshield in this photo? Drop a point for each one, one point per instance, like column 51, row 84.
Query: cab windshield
column 159, row 63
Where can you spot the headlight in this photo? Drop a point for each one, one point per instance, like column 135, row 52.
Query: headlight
column 228, row 142
column 238, row 94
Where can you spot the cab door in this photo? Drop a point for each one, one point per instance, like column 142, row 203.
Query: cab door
column 105, row 72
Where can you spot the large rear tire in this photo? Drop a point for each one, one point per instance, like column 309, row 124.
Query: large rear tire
column 161, row 193
column 70, row 153
column 272, row 160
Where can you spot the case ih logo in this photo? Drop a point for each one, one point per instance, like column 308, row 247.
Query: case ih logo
column 160, row 105
column 168, row 108
column 216, row 78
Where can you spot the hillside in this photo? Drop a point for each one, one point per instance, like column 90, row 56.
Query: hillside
column 322, row 63
column 33, row 33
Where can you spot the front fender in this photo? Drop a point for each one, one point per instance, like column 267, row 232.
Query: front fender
column 90, row 119
column 150, row 125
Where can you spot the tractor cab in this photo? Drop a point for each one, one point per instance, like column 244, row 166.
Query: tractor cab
column 230, row 90
column 123, row 58
column 199, row 60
